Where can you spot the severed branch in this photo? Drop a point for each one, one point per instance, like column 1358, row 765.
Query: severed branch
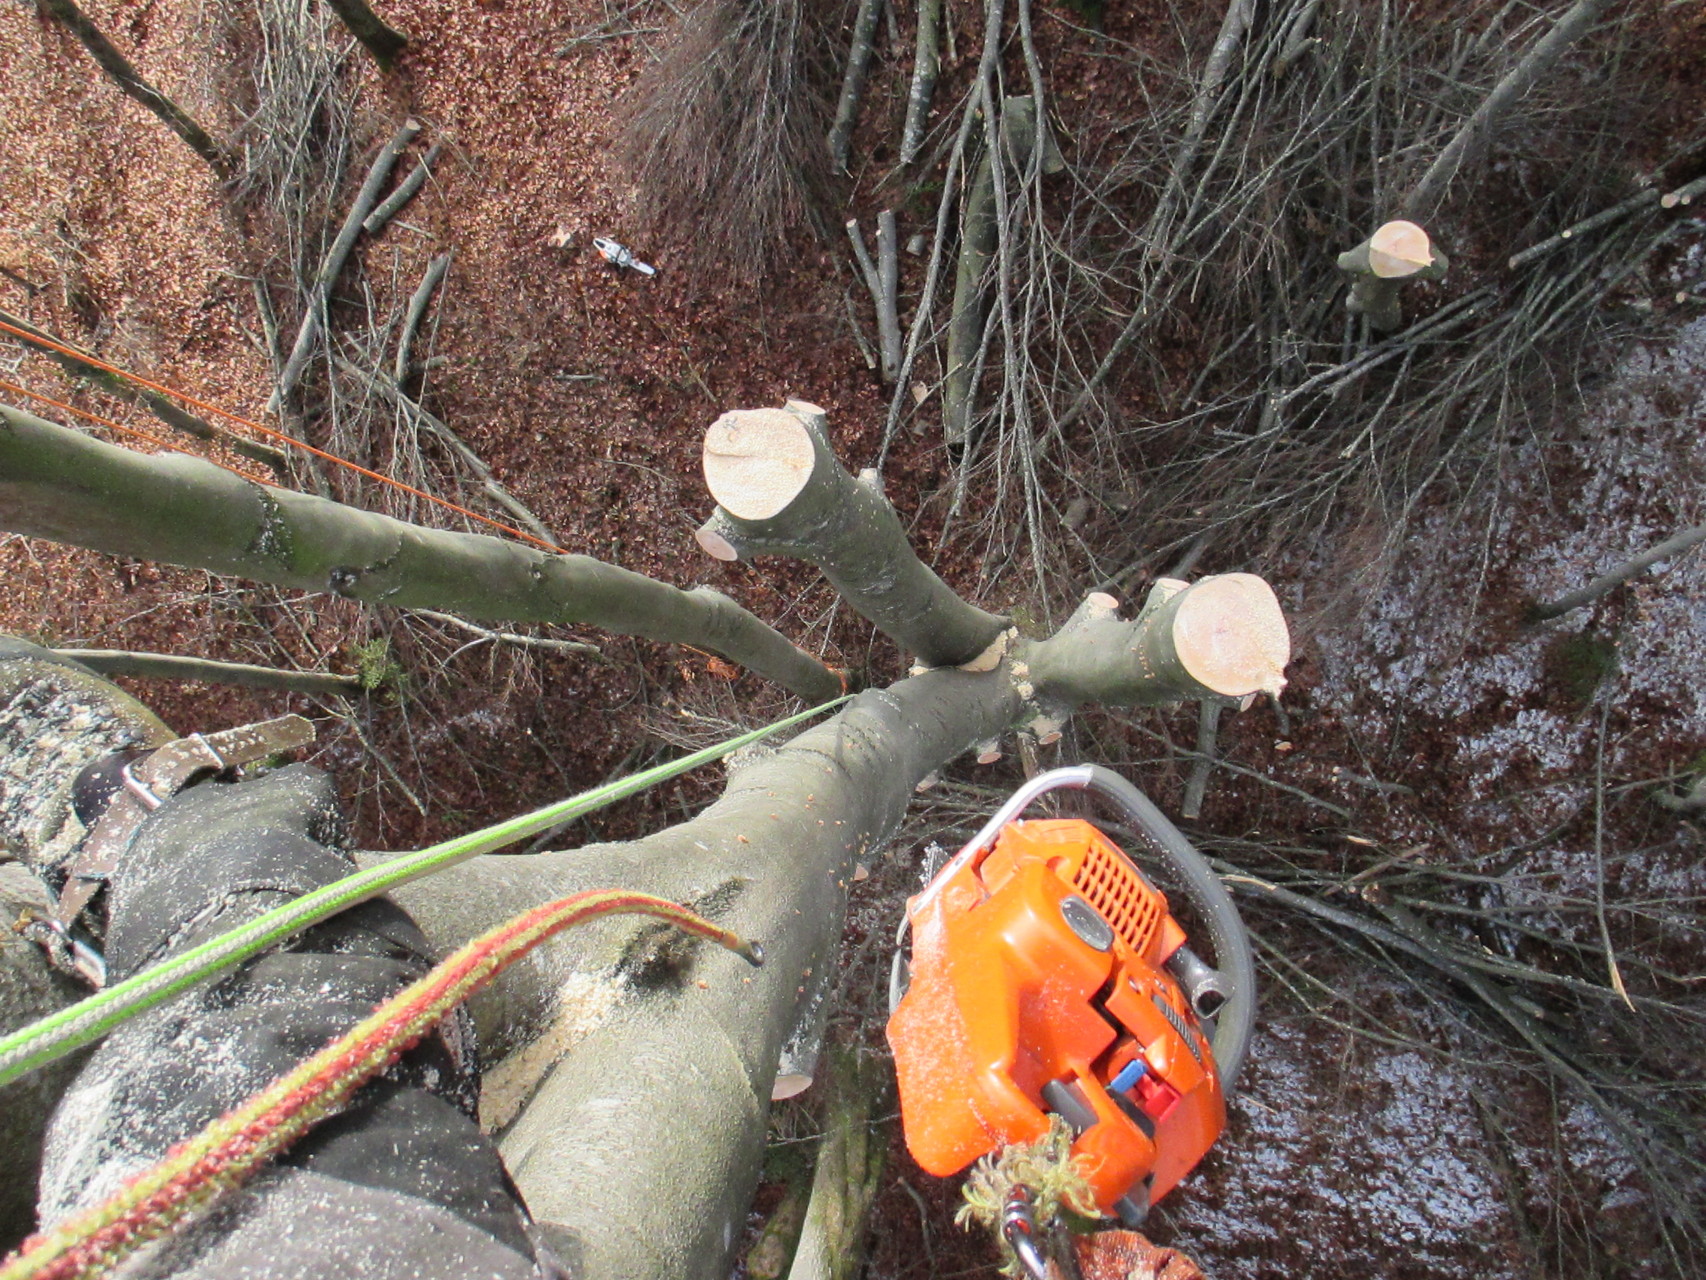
column 130, row 81
column 1605, row 217
column 1220, row 639
column 1208, row 726
column 1471, row 140
column 332, row 265
column 882, row 278
column 1606, row 581
column 406, row 191
column 926, row 65
column 780, row 490
column 544, row 644
column 434, row 276
column 853, row 83
column 60, row 484
column 849, row 1165
column 164, row 666
column 382, row 41
column 1684, row 195
column 162, row 408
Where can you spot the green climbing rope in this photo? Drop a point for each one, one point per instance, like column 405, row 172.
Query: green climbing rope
column 88, row 1020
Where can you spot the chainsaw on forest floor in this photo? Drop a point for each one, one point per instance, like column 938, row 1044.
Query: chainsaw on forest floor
column 1048, row 976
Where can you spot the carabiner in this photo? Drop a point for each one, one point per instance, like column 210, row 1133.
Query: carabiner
column 1019, row 1229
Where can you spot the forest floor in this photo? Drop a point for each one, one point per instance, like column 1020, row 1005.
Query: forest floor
column 1382, row 1129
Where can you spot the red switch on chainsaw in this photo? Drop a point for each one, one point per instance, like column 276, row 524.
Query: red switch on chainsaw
column 1049, row 975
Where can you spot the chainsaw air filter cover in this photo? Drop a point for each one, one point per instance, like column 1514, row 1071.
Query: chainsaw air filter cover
column 1038, row 985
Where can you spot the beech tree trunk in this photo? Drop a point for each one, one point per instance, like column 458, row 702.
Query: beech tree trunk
column 641, row 1147
column 638, row 1151
column 60, row 484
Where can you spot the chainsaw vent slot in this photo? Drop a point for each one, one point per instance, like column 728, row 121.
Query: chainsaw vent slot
column 1124, row 899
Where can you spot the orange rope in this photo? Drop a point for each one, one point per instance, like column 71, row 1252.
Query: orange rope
column 119, row 427
column 36, row 340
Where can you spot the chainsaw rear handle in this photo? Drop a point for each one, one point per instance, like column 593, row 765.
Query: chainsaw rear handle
column 1234, row 966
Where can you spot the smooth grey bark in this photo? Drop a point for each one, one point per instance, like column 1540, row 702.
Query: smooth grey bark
column 417, row 313
column 853, row 82
column 781, row 491
column 130, row 81
column 405, row 191
column 418, row 303
column 162, row 408
column 332, row 265
column 643, row 1145
column 1606, row 581
column 166, row 666
column 1220, row 639
column 65, row 486
column 1466, row 147
column 381, row 40
column 926, row 65
column 1377, row 297
column 1019, row 132
column 1208, row 728
column 882, row 278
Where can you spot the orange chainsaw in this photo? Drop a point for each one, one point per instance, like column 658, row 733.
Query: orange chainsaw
column 1048, row 975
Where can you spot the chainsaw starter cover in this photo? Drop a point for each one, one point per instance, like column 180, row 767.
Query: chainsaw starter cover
column 1037, row 985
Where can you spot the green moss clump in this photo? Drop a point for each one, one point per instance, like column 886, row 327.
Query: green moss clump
column 1579, row 662
column 375, row 665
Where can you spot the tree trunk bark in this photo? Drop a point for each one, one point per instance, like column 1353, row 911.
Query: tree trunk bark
column 382, row 41
column 60, row 484
column 641, row 1148
column 781, row 490
column 128, row 79
column 666, row 1099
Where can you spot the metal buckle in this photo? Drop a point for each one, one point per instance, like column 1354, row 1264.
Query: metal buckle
column 66, row 951
column 147, row 783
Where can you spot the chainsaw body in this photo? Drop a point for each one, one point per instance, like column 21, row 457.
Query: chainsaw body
column 1039, row 983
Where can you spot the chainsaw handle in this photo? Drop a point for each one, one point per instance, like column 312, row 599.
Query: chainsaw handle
column 1236, row 1018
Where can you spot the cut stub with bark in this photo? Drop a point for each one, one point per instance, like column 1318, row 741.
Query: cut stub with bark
column 1221, row 639
column 781, row 491
column 1397, row 252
